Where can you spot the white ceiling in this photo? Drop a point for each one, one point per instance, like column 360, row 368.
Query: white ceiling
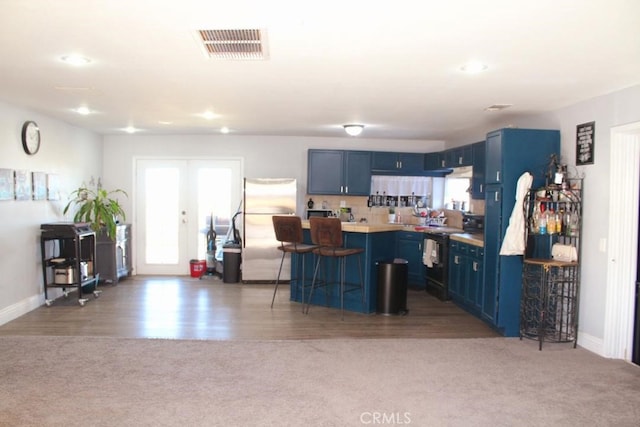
column 393, row 66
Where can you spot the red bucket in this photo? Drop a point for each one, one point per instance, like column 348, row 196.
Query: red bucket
column 197, row 267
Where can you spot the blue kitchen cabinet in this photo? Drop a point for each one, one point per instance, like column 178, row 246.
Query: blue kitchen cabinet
column 479, row 177
column 459, row 156
column 390, row 163
column 473, row 297
column 466, row 275
column 457, row 266
column 409, row 245
column 434, row 161
column 492, row 241
column 509, row 153
column 339, row 172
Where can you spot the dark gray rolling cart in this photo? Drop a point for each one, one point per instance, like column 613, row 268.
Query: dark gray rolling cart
column 68, row 259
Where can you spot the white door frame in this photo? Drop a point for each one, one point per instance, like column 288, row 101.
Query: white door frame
column 136, row 215
column 622, row 258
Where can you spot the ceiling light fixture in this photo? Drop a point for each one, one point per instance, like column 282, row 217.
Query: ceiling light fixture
column 473, row 67
column 353, row 129
column 210, row 115
column 83, row 111
column 76, row 60
column 224, row 130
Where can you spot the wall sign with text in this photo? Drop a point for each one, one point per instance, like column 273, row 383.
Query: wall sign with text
column 585, row 143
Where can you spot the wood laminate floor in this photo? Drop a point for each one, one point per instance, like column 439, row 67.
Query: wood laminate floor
column 188, row 308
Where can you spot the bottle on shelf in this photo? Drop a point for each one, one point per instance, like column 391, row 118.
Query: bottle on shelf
column 542, row 222
column 574, row 227
column 535, row 219
column 551, row 221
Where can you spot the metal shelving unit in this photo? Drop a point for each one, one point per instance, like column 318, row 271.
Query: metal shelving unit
column 549, row 304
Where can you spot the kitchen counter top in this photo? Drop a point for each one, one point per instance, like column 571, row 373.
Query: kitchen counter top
column 472, row 239
column 454, row 233
column 364, row 227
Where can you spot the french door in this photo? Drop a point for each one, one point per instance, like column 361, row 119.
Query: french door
column 177, row 200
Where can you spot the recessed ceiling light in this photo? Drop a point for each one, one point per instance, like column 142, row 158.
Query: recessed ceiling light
column 473, row 67
column 165, row 122
column 210, row 115
column 130, row 129
column 224, row 129
column 76, row 60
column 83, row 111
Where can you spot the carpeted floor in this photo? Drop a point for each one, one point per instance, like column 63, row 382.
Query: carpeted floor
column 79, row 381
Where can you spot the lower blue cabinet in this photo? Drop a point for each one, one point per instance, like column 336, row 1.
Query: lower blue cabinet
column 466, row 276
column 409, row 247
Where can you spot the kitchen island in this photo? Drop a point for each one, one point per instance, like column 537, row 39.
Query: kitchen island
column 379, row 243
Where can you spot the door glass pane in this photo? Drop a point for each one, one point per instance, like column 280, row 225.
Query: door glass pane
column 214, row 207
column 162, row 215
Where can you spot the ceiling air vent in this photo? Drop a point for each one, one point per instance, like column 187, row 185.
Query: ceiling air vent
column 497, row 107
column 245, row 44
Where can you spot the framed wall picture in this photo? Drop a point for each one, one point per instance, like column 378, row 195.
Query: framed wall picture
column 22, row 185
column 53, row 186
column 585, row 143
column 39, row 183
column 6, row 184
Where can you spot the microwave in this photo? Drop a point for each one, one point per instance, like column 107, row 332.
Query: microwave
column 473, row 223
column 319, row 212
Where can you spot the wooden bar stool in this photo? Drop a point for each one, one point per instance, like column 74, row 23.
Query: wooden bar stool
column 327, row 234
column 288, row 231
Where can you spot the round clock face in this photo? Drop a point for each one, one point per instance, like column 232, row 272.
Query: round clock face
column 30, row 137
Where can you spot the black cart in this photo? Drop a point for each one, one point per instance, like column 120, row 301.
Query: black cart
column 68, row 259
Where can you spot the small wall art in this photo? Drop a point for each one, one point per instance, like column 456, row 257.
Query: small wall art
column 6, row 184
column 39, row 182
column 53, row 186
column 585, row 143
column 22, row 185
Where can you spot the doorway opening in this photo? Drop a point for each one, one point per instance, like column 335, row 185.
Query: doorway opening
column 177, row 201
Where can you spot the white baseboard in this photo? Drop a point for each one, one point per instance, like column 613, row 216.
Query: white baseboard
column 16, row 310
column 591, row 343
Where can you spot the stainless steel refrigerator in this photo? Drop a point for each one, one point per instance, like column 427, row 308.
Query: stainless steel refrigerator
column 263, row 198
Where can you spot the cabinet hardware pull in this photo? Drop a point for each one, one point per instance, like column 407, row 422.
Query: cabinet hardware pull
column 481, row 185
column 455, row 259
column 496, row 197
column 498, row 176
column 475, row 266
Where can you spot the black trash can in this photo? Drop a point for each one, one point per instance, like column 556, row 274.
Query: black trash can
column 231, row 255
column 393, row 276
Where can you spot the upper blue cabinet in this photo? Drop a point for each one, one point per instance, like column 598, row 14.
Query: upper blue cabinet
column 459, row 156
column 478, row 180
column 389, row 163
column 339, row 172
column 434, row 161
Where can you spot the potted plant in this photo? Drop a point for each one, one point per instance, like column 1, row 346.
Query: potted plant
column 392, row 214
column 98, row 208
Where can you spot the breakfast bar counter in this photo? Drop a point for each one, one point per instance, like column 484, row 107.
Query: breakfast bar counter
column 379, row 244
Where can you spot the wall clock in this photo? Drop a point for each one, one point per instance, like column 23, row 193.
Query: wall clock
column 30, row 137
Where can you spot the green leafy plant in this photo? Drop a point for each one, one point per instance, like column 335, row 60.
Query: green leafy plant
column 98, row 208
column 392, row 210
